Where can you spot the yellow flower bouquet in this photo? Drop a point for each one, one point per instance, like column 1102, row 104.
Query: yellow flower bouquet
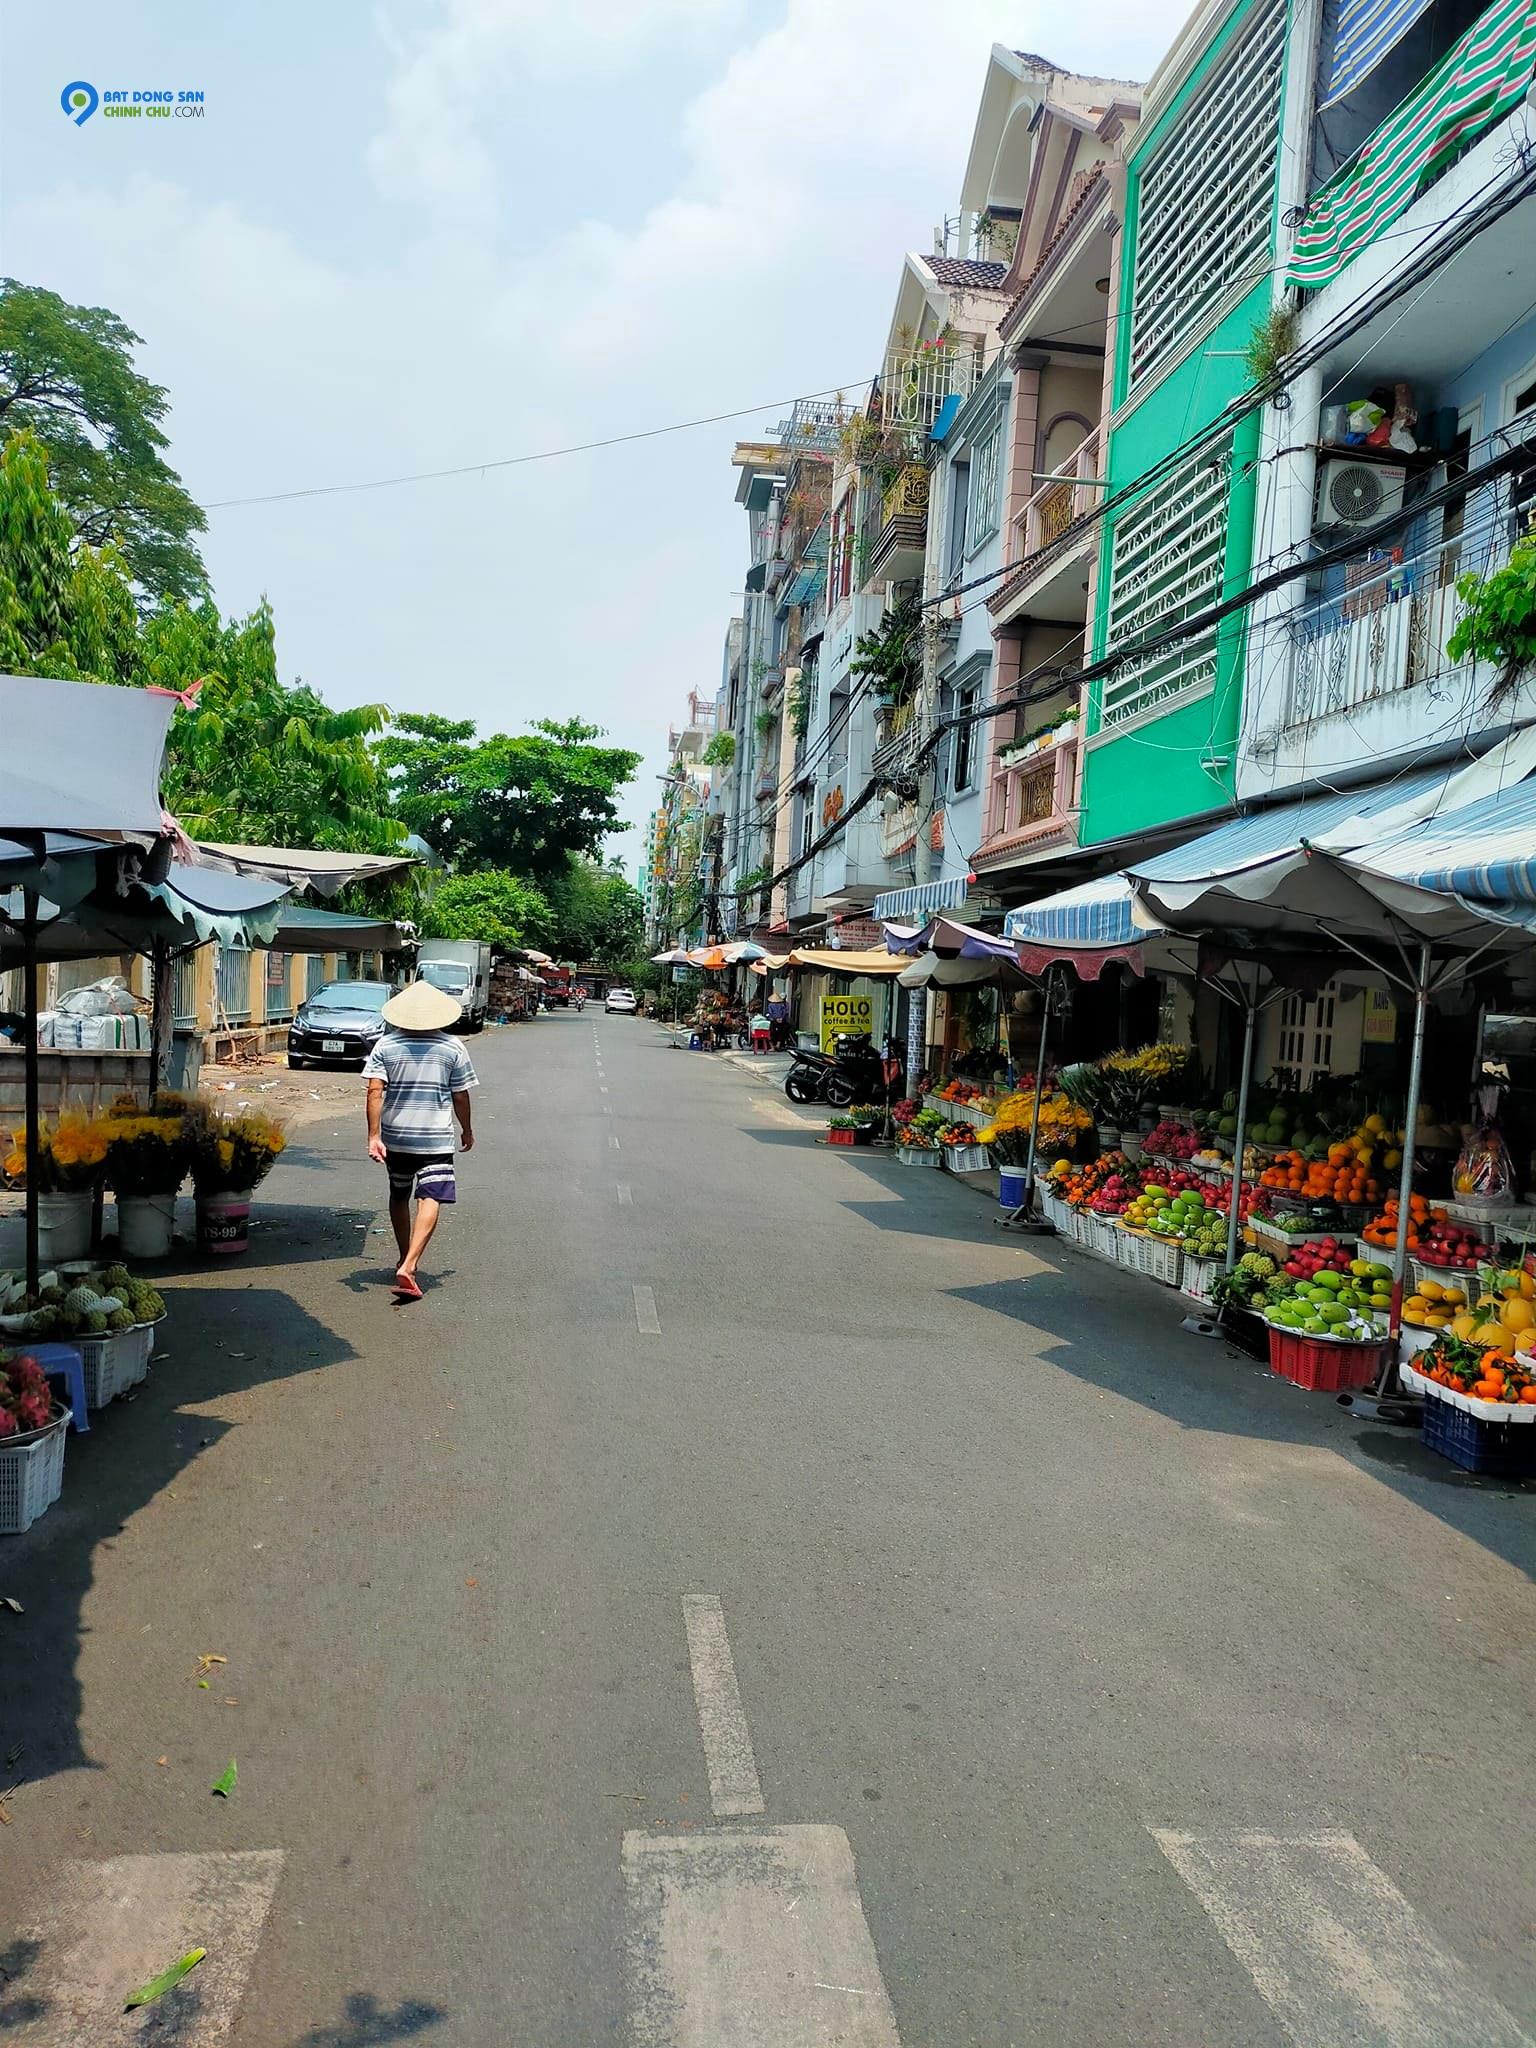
column 71, row 1153
column 232, row 1152
column 146, row 1153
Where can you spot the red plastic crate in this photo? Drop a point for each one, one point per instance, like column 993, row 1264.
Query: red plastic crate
column 1323, row 1366
column 841, row 1137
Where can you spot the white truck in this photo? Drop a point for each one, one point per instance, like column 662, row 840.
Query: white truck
column 461, row 968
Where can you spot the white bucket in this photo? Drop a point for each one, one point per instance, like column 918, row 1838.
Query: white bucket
column 224, row 1222
column 64, row 1226
column 145, row 1225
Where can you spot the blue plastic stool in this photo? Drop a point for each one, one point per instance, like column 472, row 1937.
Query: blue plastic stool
column 63, row 1361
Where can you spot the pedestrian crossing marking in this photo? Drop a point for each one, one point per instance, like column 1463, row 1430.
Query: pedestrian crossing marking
column 112, row 1926
column 1334, row 1949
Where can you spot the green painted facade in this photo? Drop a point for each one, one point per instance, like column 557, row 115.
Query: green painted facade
column 1151, row 770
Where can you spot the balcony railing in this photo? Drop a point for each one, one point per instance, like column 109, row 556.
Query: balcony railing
column 1032, row 798
column 917, row 382
column 898, row 526
column 895, row 735
column 1069, row 494
column 1383, row 622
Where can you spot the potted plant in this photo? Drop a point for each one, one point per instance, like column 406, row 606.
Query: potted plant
column 71, row 1153
column 146, row 1164
column 32, row 1426
column 231, row 1154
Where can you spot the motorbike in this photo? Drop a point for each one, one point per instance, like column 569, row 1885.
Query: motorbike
column 852, row 1072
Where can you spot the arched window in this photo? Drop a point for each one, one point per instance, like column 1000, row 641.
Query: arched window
column 1068, row 430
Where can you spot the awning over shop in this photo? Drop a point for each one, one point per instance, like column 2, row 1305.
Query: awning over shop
column 1482, row 77
column 947, row 935
column 833, row 960
column 1275, row 870
column 189, row 908
column 301, row 928
column 1085, row 928
column 922, row 899
column 954, row 970
column 1484, row 855
column 55, row 782
column 304, row 869
column 62, row 866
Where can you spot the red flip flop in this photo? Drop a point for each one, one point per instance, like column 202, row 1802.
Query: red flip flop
column 406, row 1288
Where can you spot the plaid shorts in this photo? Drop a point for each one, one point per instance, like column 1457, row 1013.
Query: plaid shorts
column 428, row 1174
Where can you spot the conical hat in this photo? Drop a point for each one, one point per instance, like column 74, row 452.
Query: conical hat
column 421, row 1007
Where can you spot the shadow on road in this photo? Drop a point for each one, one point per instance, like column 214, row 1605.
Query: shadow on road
column 1115, row 1331
column 134, row 1450
column 366, row 2024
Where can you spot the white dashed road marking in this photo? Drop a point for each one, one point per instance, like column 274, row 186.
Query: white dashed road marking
column 613, row 1140
column 751, row 1940
column 1335, row 1950
column 626, row 1199
column 646, row 1318
column 112, row 1926
column 734, row 1789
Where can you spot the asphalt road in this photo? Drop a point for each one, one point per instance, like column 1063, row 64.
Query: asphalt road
column 749, row 1600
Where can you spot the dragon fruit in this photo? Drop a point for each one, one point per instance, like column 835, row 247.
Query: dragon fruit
column 33, row 1411
column 9, row 1426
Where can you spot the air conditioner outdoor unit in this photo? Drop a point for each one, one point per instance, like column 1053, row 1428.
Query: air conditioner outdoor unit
column 1358, row 493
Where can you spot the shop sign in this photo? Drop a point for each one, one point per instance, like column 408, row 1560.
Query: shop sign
column 845, row 1013
column 1380, row 1026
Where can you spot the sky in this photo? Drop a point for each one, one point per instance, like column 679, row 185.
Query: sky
column 429, row 234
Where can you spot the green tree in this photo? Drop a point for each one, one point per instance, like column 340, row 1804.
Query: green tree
column 597, row 915
column 497, row 908
column 258, row 759
column 525, row 804
column 255, row 759
column 67, row 373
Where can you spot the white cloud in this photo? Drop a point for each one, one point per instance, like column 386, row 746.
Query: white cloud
column 824, row 148
column 477, row 58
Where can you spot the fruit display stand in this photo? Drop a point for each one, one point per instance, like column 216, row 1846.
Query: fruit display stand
column 1479, row 1436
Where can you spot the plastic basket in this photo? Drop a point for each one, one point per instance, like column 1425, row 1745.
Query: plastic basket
column 1198, row 1277
column 1126, row 1246
column 31, row 1473
column 1154, row 1257
column 917, row 1155
column 967, row 1158
column 1101, row 1234
column 1508, row 1448
column 110, row 1366
column 1325, row 1365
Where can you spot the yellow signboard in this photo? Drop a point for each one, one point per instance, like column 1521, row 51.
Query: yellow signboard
column 1380, row 1027
column 845, row 1013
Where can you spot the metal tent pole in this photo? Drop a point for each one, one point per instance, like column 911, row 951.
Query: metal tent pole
column 30, row 1075
column 1234, row 1205
column 1405, row 1177
column 162, row 1010
column 1034, row 1119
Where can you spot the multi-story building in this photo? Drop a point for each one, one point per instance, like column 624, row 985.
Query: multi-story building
column 679, row 842
column 1207, row 181
column 1410, row 380
column 1044, row 542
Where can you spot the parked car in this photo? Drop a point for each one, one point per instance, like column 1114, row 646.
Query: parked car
column 461, row 968
column 338, row 1023
column 621, row 1000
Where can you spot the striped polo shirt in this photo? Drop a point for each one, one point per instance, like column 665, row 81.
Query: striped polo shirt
column 421, row 1072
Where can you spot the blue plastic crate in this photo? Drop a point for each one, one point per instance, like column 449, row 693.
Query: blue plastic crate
column 1505, row 1448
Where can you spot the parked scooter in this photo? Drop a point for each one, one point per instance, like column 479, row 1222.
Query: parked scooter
column 852, row 1072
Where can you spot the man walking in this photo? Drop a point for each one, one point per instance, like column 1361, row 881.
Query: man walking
column 418, row 1082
